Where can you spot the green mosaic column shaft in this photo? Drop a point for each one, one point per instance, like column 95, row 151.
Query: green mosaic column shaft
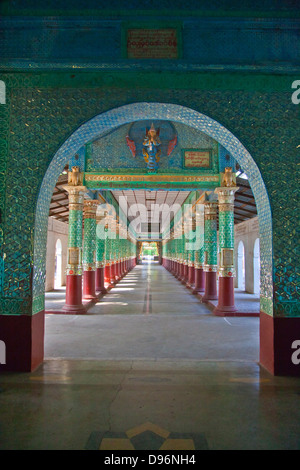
column 114, row 257
column 75, row 229
column 117, row 270
column 179, row 249
column 109, row 255
column 191, row 253
column 199, row 252
column 210, row 251
column 185, row 259
column 89, row 245
column 226, row 302
column 107, row 242
column 210, row 237
column 89, row 250
column 100, row 255
column 100, row 252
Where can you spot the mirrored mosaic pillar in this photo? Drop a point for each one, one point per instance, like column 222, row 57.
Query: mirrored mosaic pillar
column 107, row 257
column 210, row 251
column 226, row 251
column 113, row 260
column 176, row 270
column 185, row 261
column 74, row 265
column 89, row 250
column 181, row 255
column 100, row 254
column 118, row 253
column 199, row 252
column 191, row 253
column 122, row 250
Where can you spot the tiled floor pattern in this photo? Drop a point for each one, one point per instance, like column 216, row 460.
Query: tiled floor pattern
column 147, row 436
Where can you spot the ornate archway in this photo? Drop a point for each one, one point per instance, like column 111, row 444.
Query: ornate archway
column 116, row 117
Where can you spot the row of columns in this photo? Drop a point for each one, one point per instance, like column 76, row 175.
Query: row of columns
column 200, row 266
column 97, row 259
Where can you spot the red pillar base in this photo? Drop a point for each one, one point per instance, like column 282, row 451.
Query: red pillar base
column 89, row 285
column 184, row 279
column 113, row 279
column 225, row 305
column 107, row 276
column 191, row 277
column 118, row 271
column 199, row 281
column 210, row 292
column 100, row 281
column 181, row 272
column 74, row 295
column 23, row 336
column 279, row 352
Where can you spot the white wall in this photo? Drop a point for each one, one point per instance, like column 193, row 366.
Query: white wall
column 56, row 230
column 247, row 232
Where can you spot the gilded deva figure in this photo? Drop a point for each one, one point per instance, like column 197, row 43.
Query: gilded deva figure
column 151, row 150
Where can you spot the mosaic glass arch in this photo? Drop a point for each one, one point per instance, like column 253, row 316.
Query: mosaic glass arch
column 116, row 117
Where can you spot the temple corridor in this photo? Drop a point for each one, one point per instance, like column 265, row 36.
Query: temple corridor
column 149, row 227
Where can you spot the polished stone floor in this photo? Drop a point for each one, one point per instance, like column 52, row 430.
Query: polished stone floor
column 149, row 368
column 148, row 315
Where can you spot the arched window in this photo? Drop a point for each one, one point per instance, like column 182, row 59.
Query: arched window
column 256, row 267
column 241, row 266
column 58, row 265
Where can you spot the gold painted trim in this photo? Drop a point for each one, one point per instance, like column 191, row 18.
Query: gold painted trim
column 150, row 178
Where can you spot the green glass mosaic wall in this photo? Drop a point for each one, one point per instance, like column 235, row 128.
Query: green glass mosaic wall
column 43, row 109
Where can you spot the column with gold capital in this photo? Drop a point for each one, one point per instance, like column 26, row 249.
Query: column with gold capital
column 74, row 264
column 226, row 305
column 89, row 250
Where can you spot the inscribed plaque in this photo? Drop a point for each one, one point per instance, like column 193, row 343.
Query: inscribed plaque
column 152, row 43
column 197, row 159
